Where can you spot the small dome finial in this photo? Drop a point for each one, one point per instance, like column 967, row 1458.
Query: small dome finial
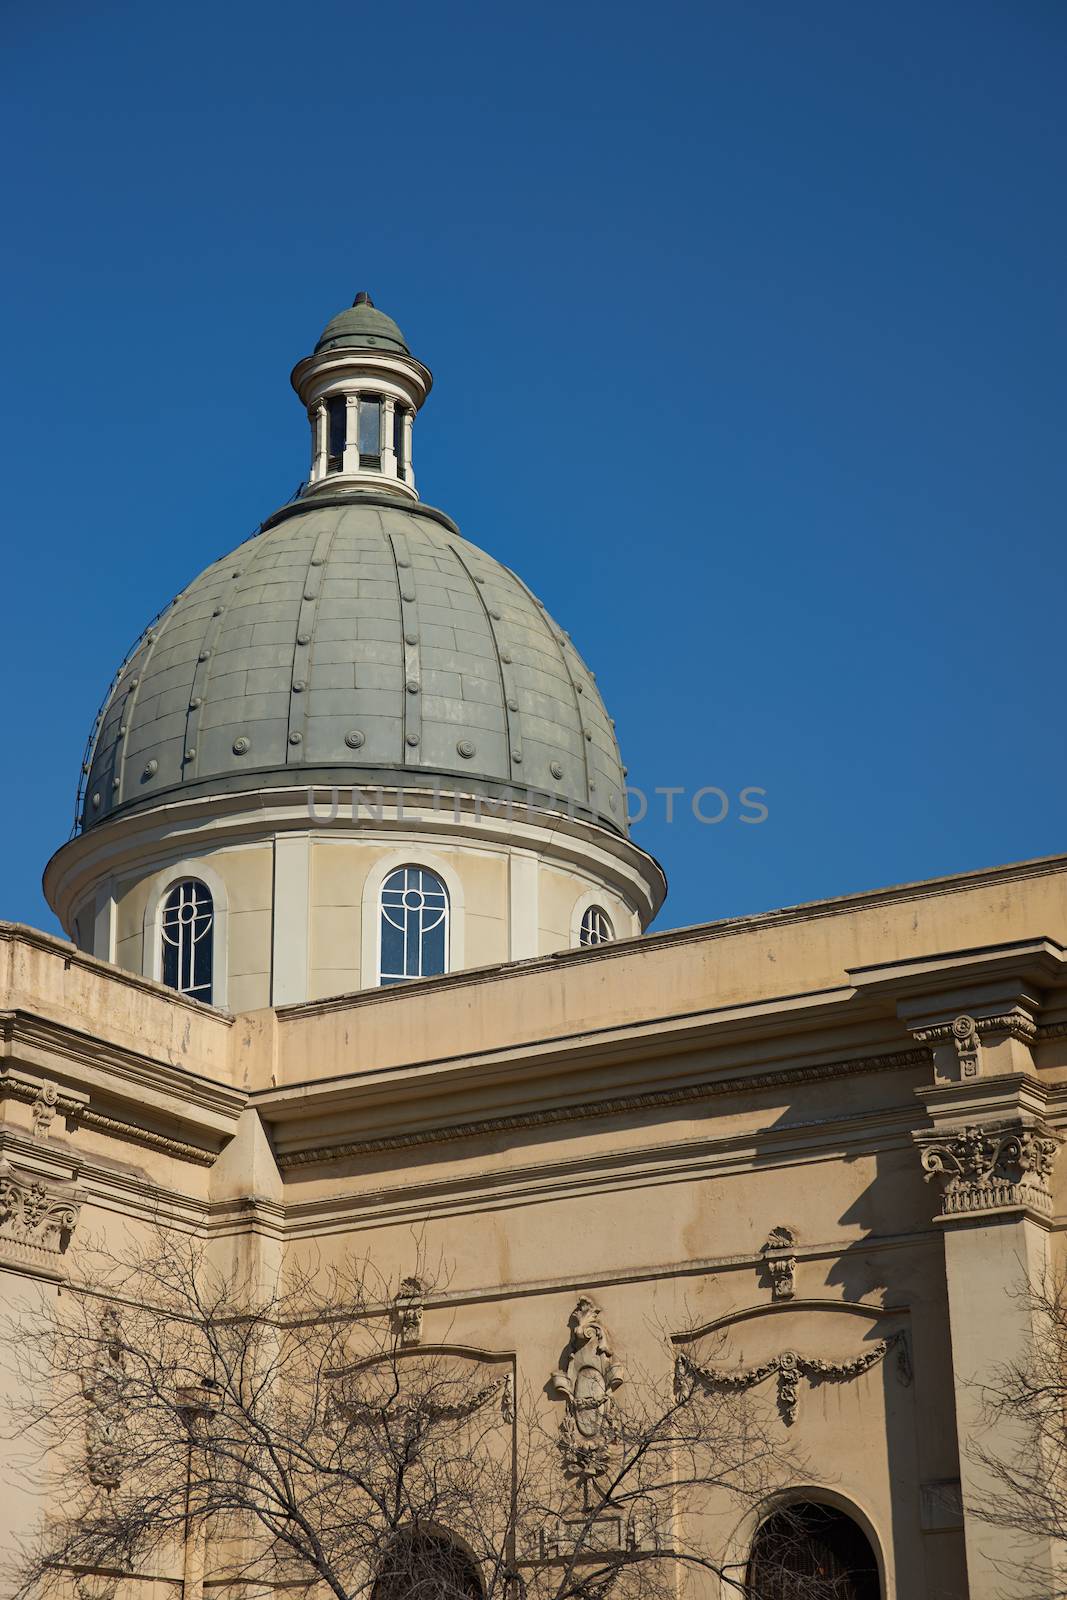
column 363, row 299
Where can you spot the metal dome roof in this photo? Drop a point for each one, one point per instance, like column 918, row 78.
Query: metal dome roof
column 362, row 327
column 355, row 639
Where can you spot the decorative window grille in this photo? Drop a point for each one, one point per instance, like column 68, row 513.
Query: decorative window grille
column 188, row 923
column 596, row 927
column 414, row 926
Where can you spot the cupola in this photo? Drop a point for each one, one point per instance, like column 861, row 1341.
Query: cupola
column 362, row 388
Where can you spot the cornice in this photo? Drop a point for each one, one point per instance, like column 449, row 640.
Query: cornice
column 609, row 1105
column 218, row 1105
column 483, row 1189
column 222, row 813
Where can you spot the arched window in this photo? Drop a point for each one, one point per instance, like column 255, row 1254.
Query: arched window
column 414, row 926
column 812, row 1552
column 336, row 424
column 424, row 1566
column 187, row 932
column 596, row 926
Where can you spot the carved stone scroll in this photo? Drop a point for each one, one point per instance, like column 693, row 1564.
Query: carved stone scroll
column 965, row 1038
column 587, row 1379
column 44, row 1109
column 988, row 1168
column 789, row 1367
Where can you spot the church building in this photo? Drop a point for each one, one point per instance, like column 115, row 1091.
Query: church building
column 356, row 952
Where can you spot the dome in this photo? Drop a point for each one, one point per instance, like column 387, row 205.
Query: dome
column 362, row 327
column 356, row 639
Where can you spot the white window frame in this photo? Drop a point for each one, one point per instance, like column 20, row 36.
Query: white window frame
column 371, row 931
column 611, row 909
column 440, row 916
column 152, row 935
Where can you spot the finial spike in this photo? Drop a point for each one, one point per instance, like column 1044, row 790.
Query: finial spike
column 363, row 299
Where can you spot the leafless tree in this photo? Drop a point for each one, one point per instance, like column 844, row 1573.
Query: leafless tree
column 1021, row 1455
column 301, row 1436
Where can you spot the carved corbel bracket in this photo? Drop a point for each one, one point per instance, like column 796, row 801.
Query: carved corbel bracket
column 45, row 1097
column 981, row 1042
column 408, row 1310
column 780, row 1260
column 991, row 1167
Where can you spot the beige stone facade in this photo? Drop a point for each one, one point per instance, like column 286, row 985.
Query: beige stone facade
column 753, row 1126
column 821, row 1142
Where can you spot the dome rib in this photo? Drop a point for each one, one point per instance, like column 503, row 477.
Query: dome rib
column 356, row 640
column 513, row 738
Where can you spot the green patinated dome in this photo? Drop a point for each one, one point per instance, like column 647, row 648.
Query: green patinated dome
column 356, row 639
column 362, row 327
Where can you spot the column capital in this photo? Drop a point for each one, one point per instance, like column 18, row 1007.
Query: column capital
column 999, row 1166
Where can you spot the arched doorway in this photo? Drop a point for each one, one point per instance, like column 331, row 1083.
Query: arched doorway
column 812, row 1552
column 427, row 1566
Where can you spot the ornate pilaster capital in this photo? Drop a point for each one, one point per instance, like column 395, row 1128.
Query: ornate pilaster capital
column 991, row 1167
column 37, row 1215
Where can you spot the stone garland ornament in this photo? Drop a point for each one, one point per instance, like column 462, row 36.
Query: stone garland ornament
column 501, row 1390
column 104, row 1388
column 985, row 1168
column 790, row 1368
column 779, row 1256
column 587, row 1380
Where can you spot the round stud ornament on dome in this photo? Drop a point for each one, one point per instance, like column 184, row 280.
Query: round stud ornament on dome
column 242, row 746
column 466, row 748
column 355, row 739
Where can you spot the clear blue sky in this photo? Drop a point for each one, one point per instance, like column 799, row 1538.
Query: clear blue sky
column 748, row 324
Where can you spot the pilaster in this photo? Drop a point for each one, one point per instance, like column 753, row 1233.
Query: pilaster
column 389, row 455
column 292, row 910
column 350, row 459
column 988, row 1154
column 319, row 440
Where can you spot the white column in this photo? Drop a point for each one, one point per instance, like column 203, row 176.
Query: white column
column 409, row 470
column 389, row 463
column 292, row 915
column 350, row 460
column 319, row 429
